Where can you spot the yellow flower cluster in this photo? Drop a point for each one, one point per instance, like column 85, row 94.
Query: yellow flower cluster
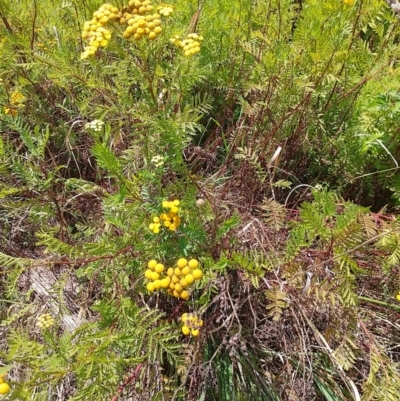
column 190, row 45
column 348, row 2
column 158, row 160
column 94, row 30
column 4, row 387
column 170, row 220
column 140, row 22
column 11, row 111
column 155, row 225
column 137, row 15
column 45, row 321
column 177, row 280
column 136, row 7
column 398, row 296
column 191, row 324
column 16, row 101
column 17, row 98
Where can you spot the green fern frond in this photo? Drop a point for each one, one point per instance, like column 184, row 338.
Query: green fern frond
column 35, row 140
column 282, row 184
column 313, row 220
column 390, row 243
column 4, row 192
column 28, row 173
column 83, row 186
column 348, row 232
column 25, row 311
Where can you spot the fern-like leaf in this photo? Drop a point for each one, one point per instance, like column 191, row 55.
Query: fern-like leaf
column 278, row 302
column 107, row 160
column 368, row 223
column 274, row 213
column 345, row 353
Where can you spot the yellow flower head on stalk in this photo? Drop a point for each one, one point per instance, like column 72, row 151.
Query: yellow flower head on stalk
column 190, row 45
column 165, row 9
column 94, row 31
column 398, row 296
column 155, row 225
column 176, row 280
column 158, row 160
column 175, row 40
column 17, row 98
column 143, row 25
column 348, row 2
column 170, row 220
column 45, row 321
column 191, row 324
column 10, row 111
column 4, row 388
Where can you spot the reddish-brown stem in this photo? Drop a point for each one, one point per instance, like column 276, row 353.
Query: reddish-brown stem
column 131, row 378
column 76, row 262
column 33, row 25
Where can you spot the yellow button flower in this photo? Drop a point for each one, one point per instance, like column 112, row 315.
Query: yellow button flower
column 45, row 321
column 165, row 9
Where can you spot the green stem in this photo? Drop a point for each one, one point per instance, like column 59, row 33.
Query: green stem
column 149, row 78
column 377, row 302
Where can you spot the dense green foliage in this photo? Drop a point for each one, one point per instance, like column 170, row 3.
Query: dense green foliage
column 279, row 138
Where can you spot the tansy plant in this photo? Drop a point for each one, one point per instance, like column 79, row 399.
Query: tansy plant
column 89, row 149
